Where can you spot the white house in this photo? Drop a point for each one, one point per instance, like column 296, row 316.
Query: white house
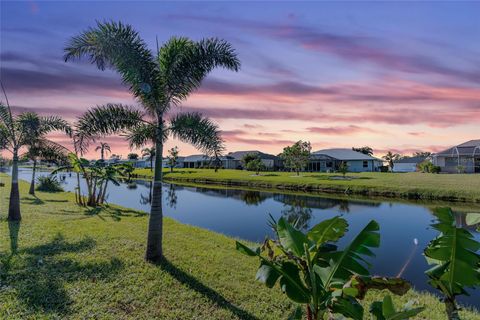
column 407, row 164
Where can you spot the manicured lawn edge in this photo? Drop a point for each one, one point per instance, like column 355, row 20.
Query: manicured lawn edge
column 401, row 190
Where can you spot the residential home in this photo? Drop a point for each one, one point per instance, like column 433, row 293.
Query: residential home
column 196, row 161
column 328, row 160
column 407, row 164
column 270, row 161
column 464, row 157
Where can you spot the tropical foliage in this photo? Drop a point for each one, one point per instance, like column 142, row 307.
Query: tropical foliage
column 296, row 157
column 49, row 184
column 159, row 81
column 343, row 168
column 104, row 149
column 172, row 158
column 455, row 259
column 391, row 157
column 313, row 271
column 365, row 150
column 149, row 153
column 24, row 130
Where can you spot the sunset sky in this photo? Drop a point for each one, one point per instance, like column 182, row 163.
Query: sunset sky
column 395, row 76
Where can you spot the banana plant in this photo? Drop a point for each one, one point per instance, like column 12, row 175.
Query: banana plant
column 455, row 259
column 312, row 271
column 385, row 310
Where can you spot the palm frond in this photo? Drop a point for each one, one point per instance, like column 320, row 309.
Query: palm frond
column 201, row 132
column 118, row 46
column 141, row 135
column 105, row 120
column 54, row 123
column 184, row 64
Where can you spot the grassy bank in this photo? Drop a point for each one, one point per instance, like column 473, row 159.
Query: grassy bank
column 414, row 185
column 66, row 262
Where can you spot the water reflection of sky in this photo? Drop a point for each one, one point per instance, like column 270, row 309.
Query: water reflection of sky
column 245, row 214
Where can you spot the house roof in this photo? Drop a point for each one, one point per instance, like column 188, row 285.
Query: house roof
column 465, row 149
column 195, row 157
column 238, row 155
column 344, row 154
column 410, row 160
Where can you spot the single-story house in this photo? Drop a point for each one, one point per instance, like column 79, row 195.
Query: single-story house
column 330, row 160
column 196, row 161
column 270, row 161
column 465, row 156
column 407, row 164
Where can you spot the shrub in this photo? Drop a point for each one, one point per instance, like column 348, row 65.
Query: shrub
column 49, row 184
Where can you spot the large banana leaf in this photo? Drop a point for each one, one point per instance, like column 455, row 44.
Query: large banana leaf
column 454, row 256
column 287, row 272
column 328, row 230
column 343, row 264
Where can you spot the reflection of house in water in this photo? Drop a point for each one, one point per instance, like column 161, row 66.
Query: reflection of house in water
column 249, row 197
column 315, row 202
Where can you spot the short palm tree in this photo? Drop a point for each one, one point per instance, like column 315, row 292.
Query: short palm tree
column 23, row 130
column 150, row 154
column 44, row 149
column 390, row 157
column 104, row 148
column 159, row 82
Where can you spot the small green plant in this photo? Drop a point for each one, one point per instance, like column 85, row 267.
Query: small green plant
column 456, row 263
column 343, row 168
column 49, row 184
column 385, row 310
column 312, row 270
column 460, row 169
column 428, row 167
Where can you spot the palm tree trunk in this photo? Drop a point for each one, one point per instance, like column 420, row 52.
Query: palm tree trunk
column 155, row 224
column 32, row 183
column 14, row 205
column 80, row 199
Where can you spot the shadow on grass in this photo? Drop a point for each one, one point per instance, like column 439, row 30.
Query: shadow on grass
column 32, row 200
column 214, row 297
column 112, row 212
column 38, row 275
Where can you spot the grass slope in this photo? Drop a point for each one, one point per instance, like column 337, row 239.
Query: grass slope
column 66, row 262
column 414, row 185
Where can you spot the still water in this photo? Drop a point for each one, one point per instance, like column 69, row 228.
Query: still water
column 405, row 227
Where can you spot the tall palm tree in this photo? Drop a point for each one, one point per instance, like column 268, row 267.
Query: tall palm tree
column 17, row 132
column 150, row 154
column 104, row 148
column 159, row 82
column 390, row 157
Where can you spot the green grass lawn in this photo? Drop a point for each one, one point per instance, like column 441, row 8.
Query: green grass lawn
column 66, row 262
column 453, row 187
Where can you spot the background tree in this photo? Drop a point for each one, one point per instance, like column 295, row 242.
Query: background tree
column 296, row 157
column 365, row 150
column 104, row 149
column 425, row 154
column 390, row 157
column 343, row 168
column 132, row 156
column 159, row 82
column 150, row 154
column 249, row 157
column 255, row 165
column 172, row 157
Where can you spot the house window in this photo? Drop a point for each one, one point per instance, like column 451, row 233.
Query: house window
column 365, row 164
column 329, row 164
